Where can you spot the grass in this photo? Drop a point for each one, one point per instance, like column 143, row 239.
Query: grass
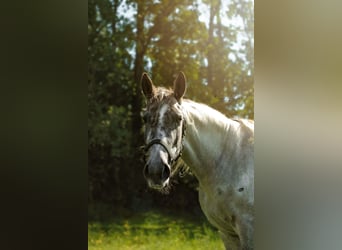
column 152, row 231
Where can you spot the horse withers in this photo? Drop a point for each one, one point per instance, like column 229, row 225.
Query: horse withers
column 219, row 152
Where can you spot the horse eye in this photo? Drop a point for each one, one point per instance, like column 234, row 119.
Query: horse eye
column 179, row 118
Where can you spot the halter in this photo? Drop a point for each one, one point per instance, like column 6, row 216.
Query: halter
column 172, row 158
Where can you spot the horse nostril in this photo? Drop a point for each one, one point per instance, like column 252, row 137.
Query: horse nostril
column 146, row 170
column 166, row 172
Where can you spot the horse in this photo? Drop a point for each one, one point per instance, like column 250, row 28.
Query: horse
column 219, row 151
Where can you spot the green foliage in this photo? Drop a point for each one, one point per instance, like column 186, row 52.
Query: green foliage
column 110, row 128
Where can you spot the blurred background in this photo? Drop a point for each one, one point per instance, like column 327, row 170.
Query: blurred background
column 211, row 41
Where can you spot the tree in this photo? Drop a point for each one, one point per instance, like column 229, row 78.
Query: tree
column 109, row 78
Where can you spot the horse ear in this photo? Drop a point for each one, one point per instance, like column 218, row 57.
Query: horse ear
column 147, row 86
column 179, row 86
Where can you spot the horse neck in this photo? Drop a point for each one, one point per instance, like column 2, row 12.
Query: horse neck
column 206, row 138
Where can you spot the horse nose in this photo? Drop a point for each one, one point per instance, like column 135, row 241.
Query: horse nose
column 157, row 174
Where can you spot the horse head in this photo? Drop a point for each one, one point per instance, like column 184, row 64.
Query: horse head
column 164, row 130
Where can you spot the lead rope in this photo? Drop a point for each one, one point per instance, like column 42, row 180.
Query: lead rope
column 182, row 171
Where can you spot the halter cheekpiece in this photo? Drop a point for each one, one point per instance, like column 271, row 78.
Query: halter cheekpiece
column 172, row 158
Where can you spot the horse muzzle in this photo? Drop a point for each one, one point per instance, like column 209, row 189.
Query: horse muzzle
column 157, row 173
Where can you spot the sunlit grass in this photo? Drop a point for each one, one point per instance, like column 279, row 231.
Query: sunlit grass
column 151, row 231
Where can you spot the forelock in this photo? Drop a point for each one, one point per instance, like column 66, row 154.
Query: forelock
column 162, row 96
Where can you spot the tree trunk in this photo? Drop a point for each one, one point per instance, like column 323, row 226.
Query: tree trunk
column 115, row 5
column 210, row 44
column 214, row 11
column 138, row 70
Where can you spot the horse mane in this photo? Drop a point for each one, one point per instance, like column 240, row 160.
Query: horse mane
column 203, row 111
column 161, row 93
